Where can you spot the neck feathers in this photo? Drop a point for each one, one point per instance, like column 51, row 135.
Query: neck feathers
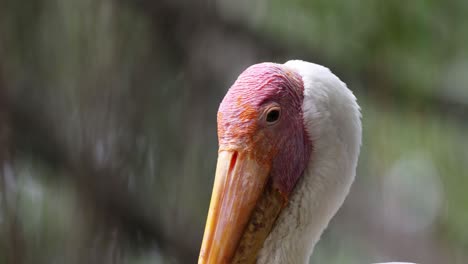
column 332, row 119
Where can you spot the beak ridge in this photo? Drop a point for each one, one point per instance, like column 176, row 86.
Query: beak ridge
column 239, row 182
column 243, row 209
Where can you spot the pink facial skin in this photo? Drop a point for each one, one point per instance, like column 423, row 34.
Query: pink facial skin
column 284, row 145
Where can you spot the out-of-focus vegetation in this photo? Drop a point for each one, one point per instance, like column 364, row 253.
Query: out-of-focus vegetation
column 108, row 111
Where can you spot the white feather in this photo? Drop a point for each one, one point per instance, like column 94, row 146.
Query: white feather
column 333, row 120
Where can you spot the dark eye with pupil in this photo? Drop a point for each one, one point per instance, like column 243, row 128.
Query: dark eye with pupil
column 273, row 116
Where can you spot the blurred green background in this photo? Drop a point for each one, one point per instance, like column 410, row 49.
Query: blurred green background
column 108, row 122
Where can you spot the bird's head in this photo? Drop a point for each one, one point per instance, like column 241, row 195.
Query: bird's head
column 264, row 149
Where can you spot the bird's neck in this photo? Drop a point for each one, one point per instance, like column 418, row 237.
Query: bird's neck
column 315, row 200
column 332, row 119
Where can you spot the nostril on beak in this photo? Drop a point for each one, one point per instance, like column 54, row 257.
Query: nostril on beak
column 233, row 161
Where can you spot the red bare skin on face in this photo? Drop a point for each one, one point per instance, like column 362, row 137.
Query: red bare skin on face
column 283, row 147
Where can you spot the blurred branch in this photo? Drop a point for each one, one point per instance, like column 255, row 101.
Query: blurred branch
column 100, row 186
column 198, row 37
column 181, row 21
column 13, row 239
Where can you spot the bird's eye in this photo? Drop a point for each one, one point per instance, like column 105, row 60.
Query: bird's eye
column 273, row 115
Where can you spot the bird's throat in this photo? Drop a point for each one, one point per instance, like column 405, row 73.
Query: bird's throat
column 260, row 224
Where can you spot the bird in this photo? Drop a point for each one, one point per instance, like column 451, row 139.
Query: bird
column 289, row 139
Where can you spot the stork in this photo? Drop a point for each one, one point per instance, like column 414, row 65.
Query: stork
column 289, row 140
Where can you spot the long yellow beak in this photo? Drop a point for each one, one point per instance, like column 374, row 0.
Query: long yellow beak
column 243, row 209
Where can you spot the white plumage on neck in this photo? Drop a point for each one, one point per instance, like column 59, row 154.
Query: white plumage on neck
column 333, row 120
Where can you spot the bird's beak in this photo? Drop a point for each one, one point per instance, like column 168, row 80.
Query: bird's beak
column 244, row 206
